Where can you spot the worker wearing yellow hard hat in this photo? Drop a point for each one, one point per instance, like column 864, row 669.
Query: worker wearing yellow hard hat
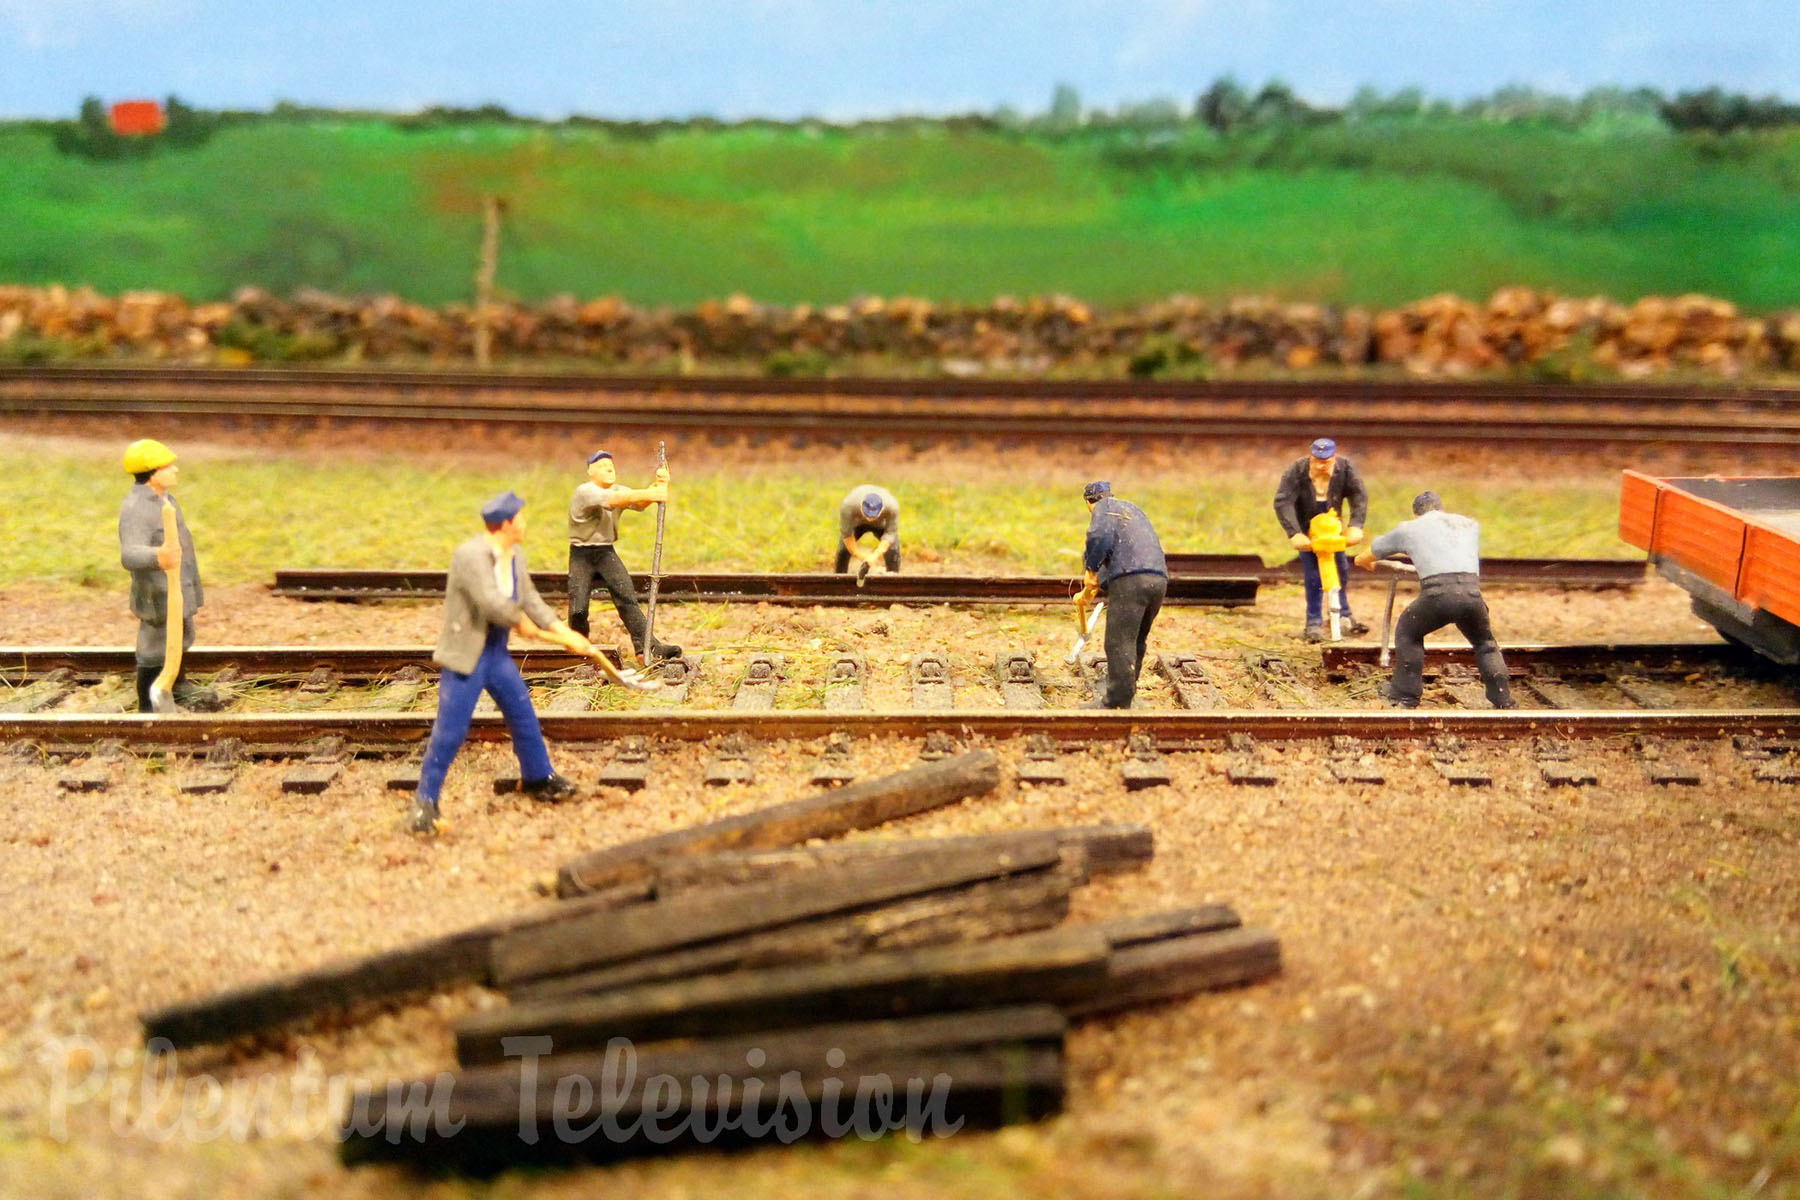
column 143, row 551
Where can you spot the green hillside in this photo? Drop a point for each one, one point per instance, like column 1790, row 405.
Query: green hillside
column 1377, row 213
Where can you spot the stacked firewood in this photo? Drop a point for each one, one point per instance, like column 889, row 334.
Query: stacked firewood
column 741, row 981
column 1442, row 335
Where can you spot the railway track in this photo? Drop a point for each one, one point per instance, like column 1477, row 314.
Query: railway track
column 1229, row 591
column 1227, row 580
column 833, row 409
column 1700, row 690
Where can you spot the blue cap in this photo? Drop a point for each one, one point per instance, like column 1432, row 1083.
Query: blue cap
column 1097, row 490
column 1324, row 448
column 872, row 505
column 597, row 455
column 502, row 508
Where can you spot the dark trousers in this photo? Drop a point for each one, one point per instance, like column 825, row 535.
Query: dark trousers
column 1451, row 598
column 588, row 564
column 891, row 558
column 1315, row 586
column 497, row 674
column 1132, row 602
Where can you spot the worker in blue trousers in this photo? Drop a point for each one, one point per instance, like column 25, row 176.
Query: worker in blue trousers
column 488, row 597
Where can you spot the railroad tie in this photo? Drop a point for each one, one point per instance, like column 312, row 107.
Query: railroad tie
column 1020, row 685
column 1144, row 766
column 1041, row 766
column 576, row 693
column 1555, row 759
column 1664, row 770
column 1188, row 677
column 844, row 683
column 1553, row 692
column 322, row 765
column 216, row 770
column 50, row 690
column 762, row 678
column 938, row 745
column 730, row 762
column 1246, row 767
column 629, row 767
column 1350, row 762
column 678, row 676
column 1446, row 757
column 1771, row 760
column 401, row 691
column 931, row 686
column 1091, row 670
column 834, row 768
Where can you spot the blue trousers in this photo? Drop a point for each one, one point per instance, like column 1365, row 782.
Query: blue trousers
column 497, row 674
column 1315, row 588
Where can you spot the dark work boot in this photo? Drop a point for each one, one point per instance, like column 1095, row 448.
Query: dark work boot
column 424, row 817
column 666, row 650
column 192, row 696
column 552, row 787
column 145, row 677
column 579, row 623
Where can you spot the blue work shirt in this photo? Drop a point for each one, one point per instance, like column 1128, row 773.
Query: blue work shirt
column 1120, row 541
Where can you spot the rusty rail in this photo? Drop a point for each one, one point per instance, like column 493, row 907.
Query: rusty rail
column 1500, row 572
column 835, row 408
column 384, row 733
column 1229, row 591
column 1587, row 658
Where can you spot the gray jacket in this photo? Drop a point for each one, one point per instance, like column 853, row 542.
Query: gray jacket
column 473, row 601
column 140, row 537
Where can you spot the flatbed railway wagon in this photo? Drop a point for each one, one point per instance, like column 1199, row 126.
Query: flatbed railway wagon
column 1731, row 543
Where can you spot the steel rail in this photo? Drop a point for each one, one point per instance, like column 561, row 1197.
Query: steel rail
column 1229, row 591
column 1501, row 572
column 1662, row 658
column 1061, row 408
column 382, row 732
column 87, row 664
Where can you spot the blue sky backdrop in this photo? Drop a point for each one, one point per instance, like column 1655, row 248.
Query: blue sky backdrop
column 849, row 58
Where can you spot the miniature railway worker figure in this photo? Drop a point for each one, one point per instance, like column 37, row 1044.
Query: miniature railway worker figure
column 1321, row 482
column 489, row 596
column 1446, row 550
column 142, row 552
column 1124, row 561
column 868, row 509
column 593, row 530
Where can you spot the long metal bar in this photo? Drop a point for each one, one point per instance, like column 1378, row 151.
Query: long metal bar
column 1492, row 411
column 807, row 589
column 1342, row 659
column 1527, row 572
column 388, row 732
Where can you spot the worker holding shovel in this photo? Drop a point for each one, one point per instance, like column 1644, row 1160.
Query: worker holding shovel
column 155, row 546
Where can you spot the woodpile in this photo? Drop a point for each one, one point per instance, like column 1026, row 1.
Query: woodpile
column 729, row 984
column 1439, row 336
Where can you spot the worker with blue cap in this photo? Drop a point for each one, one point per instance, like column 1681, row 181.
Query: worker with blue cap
column 489, row 596
column 1321, row 482
column 1123, row 561
column 868, row 509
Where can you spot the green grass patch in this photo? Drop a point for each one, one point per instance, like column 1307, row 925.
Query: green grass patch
column 254, row 512
column 1377, row 213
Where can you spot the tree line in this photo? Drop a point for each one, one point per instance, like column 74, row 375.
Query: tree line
column 1227, row 107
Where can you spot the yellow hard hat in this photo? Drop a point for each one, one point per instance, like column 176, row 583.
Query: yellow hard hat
column 147, row 454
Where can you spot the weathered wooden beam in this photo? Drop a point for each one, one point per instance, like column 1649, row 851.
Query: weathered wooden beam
column 1049, row 967
column 856, row 806
column 1172, row 967
column 442, row 962
column 609, row 936
column 981, row 911
column 1102, row 848
column 662, row 1112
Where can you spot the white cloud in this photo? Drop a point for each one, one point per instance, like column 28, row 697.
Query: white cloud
column 56, row 23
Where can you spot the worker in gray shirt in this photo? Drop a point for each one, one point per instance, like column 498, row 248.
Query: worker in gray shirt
column 868, row 509
column 593, row 529
column 1446, row 551
column 143, row 553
